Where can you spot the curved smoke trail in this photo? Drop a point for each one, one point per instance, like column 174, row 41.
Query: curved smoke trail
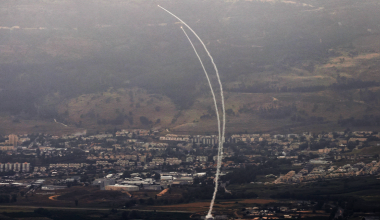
column 221, row 139
column 209, row 82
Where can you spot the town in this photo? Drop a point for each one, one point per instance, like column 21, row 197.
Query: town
column 138, row 160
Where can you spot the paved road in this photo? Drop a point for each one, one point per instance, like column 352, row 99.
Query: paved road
column 84, row 208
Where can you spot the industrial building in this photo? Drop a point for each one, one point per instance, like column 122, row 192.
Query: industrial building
column 102, row 183
column 128, row 188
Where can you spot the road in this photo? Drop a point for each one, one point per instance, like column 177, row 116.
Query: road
column 84, row 208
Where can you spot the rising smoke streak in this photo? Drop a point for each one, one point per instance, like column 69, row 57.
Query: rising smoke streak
column 221, row 138
column 217, row 114
column 209, row 82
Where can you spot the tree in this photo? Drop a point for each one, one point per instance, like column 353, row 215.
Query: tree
column 43, row 212
column 14, row 198
column 144, row 120
column 126, row 174
column 150, row 201
column 124, row 215
column 134, row 214
column 156, row 176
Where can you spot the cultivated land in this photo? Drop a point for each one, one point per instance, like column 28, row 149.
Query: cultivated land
column 219, row 206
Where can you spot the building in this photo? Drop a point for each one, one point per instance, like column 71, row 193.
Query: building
column 6, row 148
column 186, row 180
column 40, row 169
column 166, row 178
column 142, row 159
column 215, row 158
column 128, row 188
column 25, row 167
column 202, row 158
column 102, row 183
column 158, row 161
column 13, row 140
column 73, row 179
column 53, row 187
column 319, row 161
column 17, row 167
column 173, row 161
column 8, row 167
column 189, row 159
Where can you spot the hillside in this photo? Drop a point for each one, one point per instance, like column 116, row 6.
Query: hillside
column 285, row 65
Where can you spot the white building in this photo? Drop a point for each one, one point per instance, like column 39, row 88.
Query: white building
column 128, row 188
column 25, row 167
column 17, row 167
column 202, row 158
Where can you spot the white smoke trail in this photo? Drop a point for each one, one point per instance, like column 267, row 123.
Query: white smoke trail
column 221, row 139
column 217, row 116
column 209, row 83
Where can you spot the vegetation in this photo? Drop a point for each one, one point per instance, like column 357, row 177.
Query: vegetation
column 300, row 50
column 93, row 214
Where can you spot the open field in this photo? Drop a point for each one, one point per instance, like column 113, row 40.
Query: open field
column 87, row 197
column 219, row 205
column 63, row 213
column 362, row 191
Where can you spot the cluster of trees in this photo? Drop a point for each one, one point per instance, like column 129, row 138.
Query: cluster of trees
column 340, row 192
column 8, row 198
column 344, row 83
column 369, row 96
column 134, row 214
column 366, row 120
column 145, row 121
column 311, row 119
column 176, row 116
column 268, row 88
column 119, row 120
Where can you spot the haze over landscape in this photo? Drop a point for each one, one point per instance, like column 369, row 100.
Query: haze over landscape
column 115, row 87
column 99, row 65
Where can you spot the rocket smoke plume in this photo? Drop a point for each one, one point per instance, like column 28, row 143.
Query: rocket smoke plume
column 221, row 137
column 209, row 82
